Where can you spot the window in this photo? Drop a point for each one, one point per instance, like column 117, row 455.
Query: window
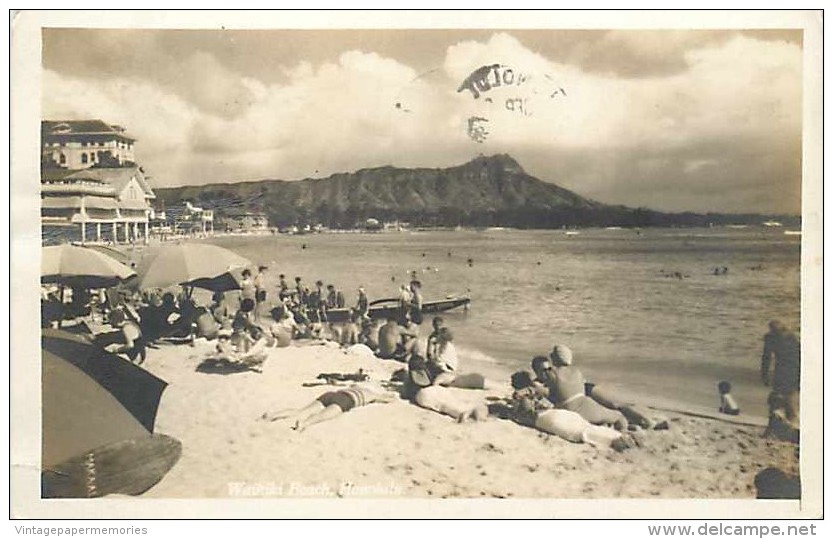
column 83, row 158
column 62, row 159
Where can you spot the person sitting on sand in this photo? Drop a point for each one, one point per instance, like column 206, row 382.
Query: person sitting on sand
column 127, row 340
column 431, row 346
column 165, row 316
column 444, row 367
column 445, row 353
column 369, row 334
column 220, row 309
column 331, row 405
column 284, row 328
column 420, row 388
column 566, row 387
column 390, row 339
column 532, row 408
column 206, row 325
column 727, row 402
column 410, row 338
column 248, row 348
column 779, row 426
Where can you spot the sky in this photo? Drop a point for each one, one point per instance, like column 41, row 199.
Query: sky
column 673, row 120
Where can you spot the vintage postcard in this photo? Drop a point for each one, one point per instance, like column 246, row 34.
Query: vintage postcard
column 423, row 264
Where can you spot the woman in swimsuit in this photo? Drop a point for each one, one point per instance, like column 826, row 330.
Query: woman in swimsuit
column 331, row 405
column 532, row 408
column 566, row 386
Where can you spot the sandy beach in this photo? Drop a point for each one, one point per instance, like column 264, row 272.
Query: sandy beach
column 399, row 450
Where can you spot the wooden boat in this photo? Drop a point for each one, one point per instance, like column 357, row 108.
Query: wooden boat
column 382, row 308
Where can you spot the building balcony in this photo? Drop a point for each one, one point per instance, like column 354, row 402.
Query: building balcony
column 76, row 188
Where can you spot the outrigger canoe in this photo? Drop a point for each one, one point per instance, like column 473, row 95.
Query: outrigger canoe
column 382, row 308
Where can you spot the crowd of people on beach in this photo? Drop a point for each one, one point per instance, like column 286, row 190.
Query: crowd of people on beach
column 244, row 322
column 553, row 396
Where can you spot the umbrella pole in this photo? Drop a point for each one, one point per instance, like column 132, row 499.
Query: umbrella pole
column 61, row 317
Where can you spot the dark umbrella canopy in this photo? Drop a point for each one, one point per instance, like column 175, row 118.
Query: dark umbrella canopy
column 91, row 398
column 192, row 264
column 72, row 265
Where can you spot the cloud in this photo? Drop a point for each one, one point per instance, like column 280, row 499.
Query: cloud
column 728, row 104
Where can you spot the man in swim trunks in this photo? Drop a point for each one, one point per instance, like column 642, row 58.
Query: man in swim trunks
column 332, row 404
column 390, row 338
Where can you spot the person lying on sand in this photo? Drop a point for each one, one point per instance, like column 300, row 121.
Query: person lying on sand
column 421, row 390
column 566, row 385
column 331, row 405
column 531, row 407
column 637, row 415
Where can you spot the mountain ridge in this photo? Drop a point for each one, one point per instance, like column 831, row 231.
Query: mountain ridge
column 485, row 191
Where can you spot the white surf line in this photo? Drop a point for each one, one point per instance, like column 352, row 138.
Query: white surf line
column 743, row 419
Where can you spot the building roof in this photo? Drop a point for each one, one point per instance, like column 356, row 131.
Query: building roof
column 118, row 177
column 52, row 174
column 81, row 127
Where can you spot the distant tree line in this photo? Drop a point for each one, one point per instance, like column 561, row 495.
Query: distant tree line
column 285, row 214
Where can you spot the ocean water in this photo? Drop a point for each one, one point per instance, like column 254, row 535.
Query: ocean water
column 611, row 295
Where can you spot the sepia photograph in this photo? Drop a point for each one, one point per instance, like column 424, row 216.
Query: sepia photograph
column 332, row 260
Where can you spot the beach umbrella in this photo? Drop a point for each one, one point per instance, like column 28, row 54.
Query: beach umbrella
column 192, row 264
column 98, row 414
column 72, row 265
column 115, row 254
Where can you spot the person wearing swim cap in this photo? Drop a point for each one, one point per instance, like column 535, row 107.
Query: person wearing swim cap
column 566, row 386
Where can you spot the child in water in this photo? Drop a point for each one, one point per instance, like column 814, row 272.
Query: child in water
column 727, row 402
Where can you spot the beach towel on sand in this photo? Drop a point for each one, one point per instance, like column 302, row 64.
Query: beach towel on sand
column 222, row 365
